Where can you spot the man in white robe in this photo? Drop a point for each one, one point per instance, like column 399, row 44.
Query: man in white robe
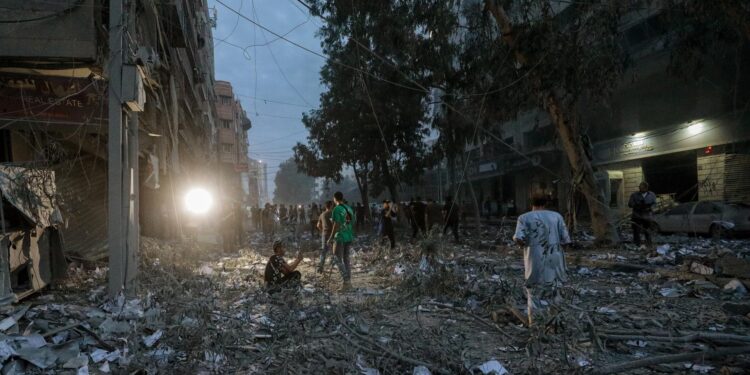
column 542, row 233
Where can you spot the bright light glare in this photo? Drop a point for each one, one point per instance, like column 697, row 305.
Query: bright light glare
column 695, row 128
column 198, row 201
column 638, row 142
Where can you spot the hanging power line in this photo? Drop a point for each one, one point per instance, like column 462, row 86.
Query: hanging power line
column 279, row 138
column 257, row 114
column 236, row 23
column 275, row 101
column 316, row 53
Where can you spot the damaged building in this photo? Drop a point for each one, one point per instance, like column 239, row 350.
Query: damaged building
column 53, row 111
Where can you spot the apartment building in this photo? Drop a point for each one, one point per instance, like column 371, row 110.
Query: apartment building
column 54, row 103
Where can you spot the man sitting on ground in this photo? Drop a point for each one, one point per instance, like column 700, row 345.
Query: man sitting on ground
column 278, row 272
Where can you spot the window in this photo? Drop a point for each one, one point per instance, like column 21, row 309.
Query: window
column 226, row 124
column 225, row 99
column 707, row 208
column 682, row 209
column 226, row 147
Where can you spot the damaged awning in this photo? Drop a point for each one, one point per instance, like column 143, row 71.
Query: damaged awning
column 32, row 192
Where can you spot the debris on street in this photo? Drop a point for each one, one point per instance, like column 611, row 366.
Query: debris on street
column 624, row 314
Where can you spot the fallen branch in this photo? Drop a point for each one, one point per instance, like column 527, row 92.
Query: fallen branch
column 388, row 351
column 469, row 313
column 698, row 336
column 664, row 272
column 61, row 329
column 671, row 358
column 595, row 336
column 95, row 336
column 523, row 319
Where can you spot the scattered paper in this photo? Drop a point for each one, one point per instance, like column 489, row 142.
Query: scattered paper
column 606, row 310
column 636, row 343
column 703, row 369
column 151, row 339
column 492, row 367
column 421, row 370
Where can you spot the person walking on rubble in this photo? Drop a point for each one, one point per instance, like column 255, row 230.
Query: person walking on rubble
column 642, row 203
column 302, row 217
column 314, row 213
column 342, row 235
column 433, row 214
column 387, row 216
column 324, row 226
column 268, row 214
column 282, row 213
column 360, row 212
column 451, row 217
column 278, row 272
column 542, row 233
column 418, row 211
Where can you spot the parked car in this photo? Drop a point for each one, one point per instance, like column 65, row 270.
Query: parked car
column 705, row 217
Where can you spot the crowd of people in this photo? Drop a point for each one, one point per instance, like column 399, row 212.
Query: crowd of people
column 541, row 233
column 421, row 215
column 336, row 223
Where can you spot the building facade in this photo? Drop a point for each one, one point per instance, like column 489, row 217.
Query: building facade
column 232, row 142
column 688, row 137
column 53, row 108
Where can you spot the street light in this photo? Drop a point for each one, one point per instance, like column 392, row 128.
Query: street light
column 198, row 201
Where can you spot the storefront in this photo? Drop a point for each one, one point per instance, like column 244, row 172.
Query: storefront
column 688, row 162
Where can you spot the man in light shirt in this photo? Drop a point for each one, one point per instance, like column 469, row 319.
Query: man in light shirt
column 542, row 233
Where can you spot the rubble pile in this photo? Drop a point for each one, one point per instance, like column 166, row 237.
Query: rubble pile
column 424, row 308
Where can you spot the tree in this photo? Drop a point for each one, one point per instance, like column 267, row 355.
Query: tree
column 292, row 187
column 363, row 122
column 563, row 62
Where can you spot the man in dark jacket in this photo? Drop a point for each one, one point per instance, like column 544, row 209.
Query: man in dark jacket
column 360, row 213
column 387, row 216
column 642, row 203
column 451, row 217
column 418, row 210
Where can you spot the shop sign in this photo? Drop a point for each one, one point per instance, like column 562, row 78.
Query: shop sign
column 52, row 99
column 691, row 136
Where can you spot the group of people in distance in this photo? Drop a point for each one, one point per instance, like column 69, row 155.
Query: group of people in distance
column 541, row 233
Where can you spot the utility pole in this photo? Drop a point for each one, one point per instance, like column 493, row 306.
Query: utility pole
column 265, row 182
column 122, row 165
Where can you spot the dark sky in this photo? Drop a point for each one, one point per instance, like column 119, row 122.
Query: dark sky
column 275, row 80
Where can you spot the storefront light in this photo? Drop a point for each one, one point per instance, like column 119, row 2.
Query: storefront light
column 695, row 129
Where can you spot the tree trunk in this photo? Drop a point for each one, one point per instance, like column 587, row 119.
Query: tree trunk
column 477, row 215
column 564, row 121
column 451, row 177
column 361, row 177
column 389, row 182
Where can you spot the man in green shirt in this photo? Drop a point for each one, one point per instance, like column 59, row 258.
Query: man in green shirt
column 342, row 235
